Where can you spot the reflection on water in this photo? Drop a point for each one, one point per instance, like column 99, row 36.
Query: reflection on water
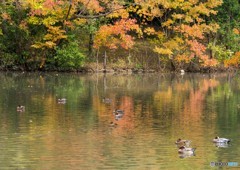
column 83, row 131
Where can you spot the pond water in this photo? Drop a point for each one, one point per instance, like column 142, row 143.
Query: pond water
column 158, row 109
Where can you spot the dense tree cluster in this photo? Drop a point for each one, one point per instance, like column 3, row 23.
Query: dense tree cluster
column 65, row 34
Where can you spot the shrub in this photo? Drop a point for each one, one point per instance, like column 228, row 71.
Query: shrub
column 69, row 56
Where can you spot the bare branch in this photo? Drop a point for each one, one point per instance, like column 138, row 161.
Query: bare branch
column 95, row 16
column 84, row 8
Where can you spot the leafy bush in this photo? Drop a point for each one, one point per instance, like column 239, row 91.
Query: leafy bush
column 69, row 56
column 220, row 52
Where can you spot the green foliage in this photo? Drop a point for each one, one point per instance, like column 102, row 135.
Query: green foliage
column 7, row 60
column 69, row 56
column 229, row 18
column 220, row 52
column 138, row 66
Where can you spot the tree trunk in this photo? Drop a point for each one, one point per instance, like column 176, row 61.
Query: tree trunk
column 97, row 59
column 90, row 45
column 105, row 61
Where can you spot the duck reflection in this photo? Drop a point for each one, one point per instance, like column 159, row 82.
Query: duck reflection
column 112, row 124
column 118, row 114
column 62, row 101
column 20, row 108
column 186, row 155
column 222, row 145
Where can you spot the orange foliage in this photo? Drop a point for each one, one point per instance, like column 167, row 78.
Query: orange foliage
column 198, row 49
column 5, row 16
column 191, row 31
column 189, row 25
column 184, row 58
column 236, row 31
column 234, row 61
column 113, row 35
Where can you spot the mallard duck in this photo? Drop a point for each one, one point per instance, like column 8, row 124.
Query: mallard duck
column 221, row 140
column 106, row 100
column 185, row 150
column 118, row 111
column 62, row 101
column 20, row 108
column 182, row 142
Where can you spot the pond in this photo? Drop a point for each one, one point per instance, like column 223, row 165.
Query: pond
column 75, row 133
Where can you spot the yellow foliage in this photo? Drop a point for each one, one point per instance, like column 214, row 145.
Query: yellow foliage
column 149, row 31
column 37, row 45
column 179, row 40
column 49, row 21
column 50, row 44
column 188, row 19
column 163, row 51
column 178, row 16
column 34, row 20
column 55, row 33
column 168, row 23
column 119, row 13
column 213, row 3
column 80, row 21
column 212, row 27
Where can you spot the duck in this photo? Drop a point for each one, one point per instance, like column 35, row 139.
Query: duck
column 185, row 150
column 62, row 101
column 106, row 100
column 182, row 142
column 182, row 71
column 20, row 108
column 118, row 111
column 221, row 140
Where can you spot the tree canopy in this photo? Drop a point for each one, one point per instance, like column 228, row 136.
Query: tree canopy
column 37, row 34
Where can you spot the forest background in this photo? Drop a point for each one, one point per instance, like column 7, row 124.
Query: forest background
column 110, row 35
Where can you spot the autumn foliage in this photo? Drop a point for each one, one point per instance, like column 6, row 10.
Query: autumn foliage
column 112, row 36
column 234, row 61
column 179, row 29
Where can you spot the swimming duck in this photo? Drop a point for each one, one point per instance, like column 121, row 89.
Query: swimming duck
column 106, row 100
column 185, row 150
column 221, row 140
column 118, row 111
column 182, row 71
column 20, row 108
column 182, row 142
column 62, row 101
